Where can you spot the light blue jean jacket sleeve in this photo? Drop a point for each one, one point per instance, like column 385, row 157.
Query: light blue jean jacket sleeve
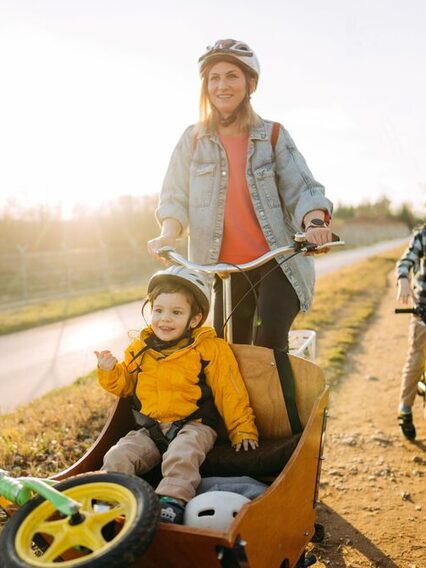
column 299, row 191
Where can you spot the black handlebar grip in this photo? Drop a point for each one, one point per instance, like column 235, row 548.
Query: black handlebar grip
column 404, row 310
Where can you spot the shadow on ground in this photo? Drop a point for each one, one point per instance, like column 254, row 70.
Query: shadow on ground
column 344, row 545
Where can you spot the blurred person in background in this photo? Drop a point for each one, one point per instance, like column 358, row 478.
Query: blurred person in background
column 411, row 288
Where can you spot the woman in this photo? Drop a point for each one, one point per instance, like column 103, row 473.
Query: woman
column 241, row 188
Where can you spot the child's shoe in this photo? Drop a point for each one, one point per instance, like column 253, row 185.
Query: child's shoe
column 406, row 424
column 171, row 511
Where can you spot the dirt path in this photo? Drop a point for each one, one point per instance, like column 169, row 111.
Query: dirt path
column 373, row 485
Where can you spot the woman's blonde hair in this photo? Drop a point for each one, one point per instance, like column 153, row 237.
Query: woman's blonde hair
column 210, row 117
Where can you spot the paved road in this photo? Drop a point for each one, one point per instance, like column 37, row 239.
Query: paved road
column 327, row 263
column 38, row 360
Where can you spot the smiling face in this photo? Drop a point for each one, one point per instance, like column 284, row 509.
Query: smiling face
column 227, row 87
column 171, row 315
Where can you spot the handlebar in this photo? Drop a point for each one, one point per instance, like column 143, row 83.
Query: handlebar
column 419, row 310
column 300, row 245
column 405, row 310
column 224, row 270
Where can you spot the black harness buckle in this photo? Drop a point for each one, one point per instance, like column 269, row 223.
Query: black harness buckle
column 160, row 439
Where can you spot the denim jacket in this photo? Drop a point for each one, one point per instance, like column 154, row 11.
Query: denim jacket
column 281, row 186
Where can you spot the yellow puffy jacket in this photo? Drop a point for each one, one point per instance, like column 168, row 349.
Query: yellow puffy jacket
column 172, row 387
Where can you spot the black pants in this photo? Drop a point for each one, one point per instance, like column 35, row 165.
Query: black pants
column 266, row 323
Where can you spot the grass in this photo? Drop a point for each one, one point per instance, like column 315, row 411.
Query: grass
column 342, row 305
column 54, row 431
column 51, row 311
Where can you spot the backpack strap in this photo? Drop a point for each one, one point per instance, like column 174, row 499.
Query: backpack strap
column 286, row 376
column 275, row 133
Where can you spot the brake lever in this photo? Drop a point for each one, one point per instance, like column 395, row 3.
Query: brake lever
column 302, row 245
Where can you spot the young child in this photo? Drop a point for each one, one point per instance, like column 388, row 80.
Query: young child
column 180, row 375
column 413, row 261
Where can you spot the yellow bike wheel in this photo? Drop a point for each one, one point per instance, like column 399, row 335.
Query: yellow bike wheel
column 118, row 519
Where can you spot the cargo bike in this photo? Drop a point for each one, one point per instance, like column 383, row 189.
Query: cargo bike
column 84, row 518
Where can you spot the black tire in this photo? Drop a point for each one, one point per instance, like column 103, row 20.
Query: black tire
column 307, row 559
column 121, row 546
column 319, row 533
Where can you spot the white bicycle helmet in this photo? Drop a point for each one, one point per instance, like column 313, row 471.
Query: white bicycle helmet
column 195, row 281
column 232, row 48
column 214, row 509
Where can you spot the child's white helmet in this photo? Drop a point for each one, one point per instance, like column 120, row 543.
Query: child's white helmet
column 195, row 281
column 214, row 509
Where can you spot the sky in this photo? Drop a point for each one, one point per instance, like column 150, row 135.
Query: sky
column 94, row 94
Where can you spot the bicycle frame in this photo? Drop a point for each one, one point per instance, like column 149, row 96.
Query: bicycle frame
column 20, row 490
column 224, row 271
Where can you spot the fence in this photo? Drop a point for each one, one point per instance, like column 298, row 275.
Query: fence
column 357, row 233
column 27, row 277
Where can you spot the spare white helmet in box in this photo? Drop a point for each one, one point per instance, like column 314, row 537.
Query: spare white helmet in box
column 214, row 509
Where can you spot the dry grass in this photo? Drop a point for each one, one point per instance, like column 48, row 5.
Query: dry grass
column 342, row 305
column 49, row 434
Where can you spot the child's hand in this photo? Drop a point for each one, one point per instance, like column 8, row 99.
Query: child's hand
column 246, row 444
column 106, row 360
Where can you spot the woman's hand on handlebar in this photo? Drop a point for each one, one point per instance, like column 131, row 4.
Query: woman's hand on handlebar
column 319, row 236
column 170, row 231
column 404, row 291
column 156, row 244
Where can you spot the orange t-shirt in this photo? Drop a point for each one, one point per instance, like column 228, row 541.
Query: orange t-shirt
column 243, row 239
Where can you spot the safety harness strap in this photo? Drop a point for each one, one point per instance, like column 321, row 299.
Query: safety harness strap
column 161, row 439
column 285, row 373
column 154, row 430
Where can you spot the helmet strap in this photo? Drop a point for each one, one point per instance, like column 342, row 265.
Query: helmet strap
column 229, row 119
column 159, row 345
column 226, row 121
